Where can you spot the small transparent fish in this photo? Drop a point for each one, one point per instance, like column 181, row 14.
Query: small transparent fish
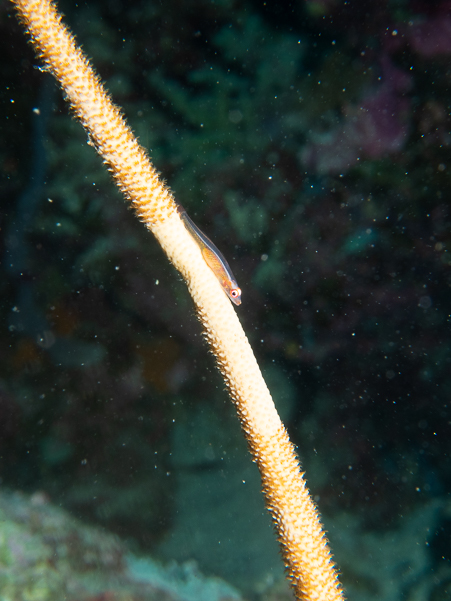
column 213, row 258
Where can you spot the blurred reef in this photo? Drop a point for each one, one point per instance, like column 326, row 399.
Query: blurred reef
column 47, row 555
column 311, row 140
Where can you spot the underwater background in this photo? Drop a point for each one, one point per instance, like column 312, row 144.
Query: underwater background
column 311, row 141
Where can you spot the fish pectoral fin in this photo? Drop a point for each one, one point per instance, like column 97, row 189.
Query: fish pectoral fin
column 212, row 261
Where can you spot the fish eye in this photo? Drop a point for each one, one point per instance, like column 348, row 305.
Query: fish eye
column 235, row 295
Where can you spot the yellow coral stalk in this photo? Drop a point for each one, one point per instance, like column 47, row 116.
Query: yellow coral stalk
column 304, row 546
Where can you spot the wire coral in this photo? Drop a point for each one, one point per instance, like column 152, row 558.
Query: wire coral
column 303, row 542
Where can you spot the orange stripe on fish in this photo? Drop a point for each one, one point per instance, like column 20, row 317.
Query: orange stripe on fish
column 213, row 258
